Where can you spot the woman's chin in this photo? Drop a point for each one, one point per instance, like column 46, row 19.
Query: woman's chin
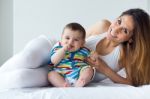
column 109, row 37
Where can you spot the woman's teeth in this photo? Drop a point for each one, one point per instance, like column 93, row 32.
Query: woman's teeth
column 112, row 35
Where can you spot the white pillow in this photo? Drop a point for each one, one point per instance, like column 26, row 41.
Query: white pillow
column 35, row 54
column 20, row 78
column 23, row 69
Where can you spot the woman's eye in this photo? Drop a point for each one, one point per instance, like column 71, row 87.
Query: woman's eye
column 119, row 21
column 125, row 31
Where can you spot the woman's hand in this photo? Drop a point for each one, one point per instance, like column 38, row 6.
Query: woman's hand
column 94, row 55
column 96, row 62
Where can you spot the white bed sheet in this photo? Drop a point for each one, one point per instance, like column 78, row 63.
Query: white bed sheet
column 100, row 90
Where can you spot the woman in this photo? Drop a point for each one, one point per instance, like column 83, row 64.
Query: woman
column 124, row 45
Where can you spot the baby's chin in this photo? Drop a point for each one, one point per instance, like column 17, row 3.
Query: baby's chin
column 72, row 50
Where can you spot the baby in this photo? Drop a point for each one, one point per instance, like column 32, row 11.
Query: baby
column 67, row 56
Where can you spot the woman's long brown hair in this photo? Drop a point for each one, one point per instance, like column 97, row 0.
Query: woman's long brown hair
column 135, row 56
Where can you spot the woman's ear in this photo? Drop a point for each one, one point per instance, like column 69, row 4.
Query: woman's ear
column 130, row 40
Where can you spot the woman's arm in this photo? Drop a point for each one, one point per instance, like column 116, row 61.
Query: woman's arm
column 99, row 27
column 102, row 67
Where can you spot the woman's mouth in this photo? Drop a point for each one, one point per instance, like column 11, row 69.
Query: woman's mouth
column 110, row 34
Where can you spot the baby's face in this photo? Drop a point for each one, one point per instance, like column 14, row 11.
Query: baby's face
column 73, row 39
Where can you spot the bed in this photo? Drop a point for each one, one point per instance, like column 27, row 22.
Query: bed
column 100, row 90
column 22, row 77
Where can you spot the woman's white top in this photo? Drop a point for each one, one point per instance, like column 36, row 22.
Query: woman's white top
column 110, row 59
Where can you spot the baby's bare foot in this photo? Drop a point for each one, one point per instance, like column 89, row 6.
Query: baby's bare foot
column 67, row 85
column 80, row 83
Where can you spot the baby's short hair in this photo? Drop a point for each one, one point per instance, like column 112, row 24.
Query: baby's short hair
column 76, row 27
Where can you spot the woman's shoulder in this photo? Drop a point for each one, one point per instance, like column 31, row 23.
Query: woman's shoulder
column 98, row 28
column 96, row 37
column 92, row 41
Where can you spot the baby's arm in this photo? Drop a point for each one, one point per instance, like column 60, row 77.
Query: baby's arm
column 59, row 55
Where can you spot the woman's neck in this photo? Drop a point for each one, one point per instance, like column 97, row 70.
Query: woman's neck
column 105, row 46
column 110, row 43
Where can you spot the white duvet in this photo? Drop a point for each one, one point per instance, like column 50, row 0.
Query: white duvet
column 94, row 91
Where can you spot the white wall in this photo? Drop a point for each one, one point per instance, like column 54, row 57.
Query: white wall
column 148, row 4
column 6, row 30
column 35, row 17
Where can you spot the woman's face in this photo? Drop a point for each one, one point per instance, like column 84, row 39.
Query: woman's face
column 121, row 29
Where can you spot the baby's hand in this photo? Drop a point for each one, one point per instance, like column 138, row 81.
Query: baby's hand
column 94, row 55
column 66, row 47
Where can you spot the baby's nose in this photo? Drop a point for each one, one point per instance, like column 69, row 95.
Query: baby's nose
column 70, row 41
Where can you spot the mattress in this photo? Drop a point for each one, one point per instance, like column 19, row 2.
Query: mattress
column 101, row 90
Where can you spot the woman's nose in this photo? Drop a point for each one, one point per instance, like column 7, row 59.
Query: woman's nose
column 116, row 30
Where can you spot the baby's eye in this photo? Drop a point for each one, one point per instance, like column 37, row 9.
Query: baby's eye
column 67, row 38
column 76, row 39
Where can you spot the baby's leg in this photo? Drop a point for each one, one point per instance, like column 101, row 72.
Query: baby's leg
column 57, row 80
column 85, row 77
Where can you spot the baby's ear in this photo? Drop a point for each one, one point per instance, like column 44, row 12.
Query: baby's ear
column 83, row 42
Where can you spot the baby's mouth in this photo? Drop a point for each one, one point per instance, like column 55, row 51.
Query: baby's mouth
column 70, row 47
